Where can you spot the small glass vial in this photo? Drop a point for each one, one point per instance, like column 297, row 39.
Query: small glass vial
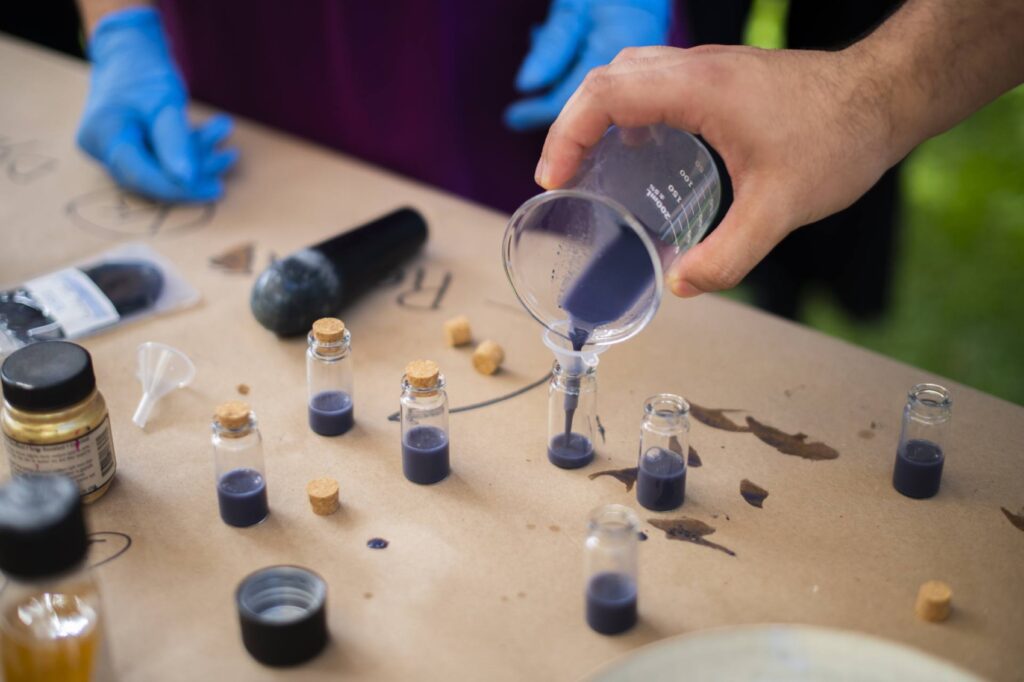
column 329, row 377
column 51, row 626
column 238, row 464
column 923, row 439
column 572, row 415
column 54, row 419
column 425, row 457
column 664, row 439
column 610, row 561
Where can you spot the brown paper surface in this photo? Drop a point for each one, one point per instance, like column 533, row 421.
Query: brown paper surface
column 483, row 575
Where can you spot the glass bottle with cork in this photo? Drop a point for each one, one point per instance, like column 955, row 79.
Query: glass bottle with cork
column 238, row 464
column 54, row 419
column 329, row 377
column 425, row 450
column 51, row 627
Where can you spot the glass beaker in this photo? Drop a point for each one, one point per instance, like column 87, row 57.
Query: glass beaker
column 591, row 255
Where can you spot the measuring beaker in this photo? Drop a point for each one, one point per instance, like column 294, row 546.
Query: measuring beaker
column 587, row 260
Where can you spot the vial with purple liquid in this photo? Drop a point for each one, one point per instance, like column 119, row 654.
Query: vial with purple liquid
column 425, row 449
column 664, row 437
column 238, row 465
column 329, row 377
column 921, row 452
column 572, row 414
column 610, row 562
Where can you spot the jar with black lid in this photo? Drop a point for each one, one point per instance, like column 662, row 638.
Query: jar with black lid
column 54, row 420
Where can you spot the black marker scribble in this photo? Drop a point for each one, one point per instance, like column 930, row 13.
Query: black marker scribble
column 418, row 288
column 22, row 165
column 396, row 416
column 113, row 536
column 113, row 213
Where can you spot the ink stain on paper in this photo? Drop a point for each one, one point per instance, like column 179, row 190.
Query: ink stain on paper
column 377, row 543
column 521, row 595
column 624, row 476
column 243, row 389
column 716, row 419
column 753, row 493
column 641, row 536
column 693, row 459
column 553, row 528
column 866, row 434
column 791, row 443
column 367, row 595
column 235, row 261
column 530, row 526
column 687, row 529
column 1016, row 519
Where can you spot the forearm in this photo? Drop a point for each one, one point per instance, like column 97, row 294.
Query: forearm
column 94, row 10
column 934, row 62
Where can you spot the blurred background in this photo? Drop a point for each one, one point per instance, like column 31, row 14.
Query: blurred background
column 954, row 299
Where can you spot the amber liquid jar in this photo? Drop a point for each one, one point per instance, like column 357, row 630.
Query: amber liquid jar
column 54, row 420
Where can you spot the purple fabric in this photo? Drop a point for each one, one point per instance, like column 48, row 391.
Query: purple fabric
column 417, row 87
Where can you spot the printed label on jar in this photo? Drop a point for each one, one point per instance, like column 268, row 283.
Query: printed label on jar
column 88, row 459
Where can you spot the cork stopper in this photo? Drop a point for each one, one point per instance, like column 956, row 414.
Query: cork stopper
column 323, row 496
column 328, row 330
column 933, row 601
column 232, row 415
column 487, row 357
column 422, row 373
column 457, row 331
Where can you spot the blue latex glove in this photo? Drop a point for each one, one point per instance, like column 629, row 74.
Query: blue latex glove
column 577, row 36
column 135, row 122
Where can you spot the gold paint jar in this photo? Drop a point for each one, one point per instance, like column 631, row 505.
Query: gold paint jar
column 54, row 420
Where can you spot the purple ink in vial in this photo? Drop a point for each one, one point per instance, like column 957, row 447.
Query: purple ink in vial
column 238, row 465
column 329, row 377
column 922, row 449
column 664, row 440
column 572, row 414
column 610, row 558
column 425, row 442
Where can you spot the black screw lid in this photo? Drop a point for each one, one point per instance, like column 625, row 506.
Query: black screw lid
column 283, row 615
column 48, row 375
column 42, row 528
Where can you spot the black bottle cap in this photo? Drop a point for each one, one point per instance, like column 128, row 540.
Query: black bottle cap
column 283, row 614
column 47, row 376
column 42, row 528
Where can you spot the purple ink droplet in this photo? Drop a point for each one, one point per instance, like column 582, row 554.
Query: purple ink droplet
column 642, row 535
column 376, row 543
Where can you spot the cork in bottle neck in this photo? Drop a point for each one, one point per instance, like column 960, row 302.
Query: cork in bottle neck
column 328, row 337
column 233, row 418
column 423, row 376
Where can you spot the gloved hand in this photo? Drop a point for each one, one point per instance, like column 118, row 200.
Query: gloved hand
column 577, row 36
column 135, row 122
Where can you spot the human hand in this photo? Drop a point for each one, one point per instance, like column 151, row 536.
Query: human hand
column 578, row 36
column 802, row 133
column 135, row 121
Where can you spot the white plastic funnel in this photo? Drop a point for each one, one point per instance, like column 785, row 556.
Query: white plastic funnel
column 161, row 370
column 573, row 362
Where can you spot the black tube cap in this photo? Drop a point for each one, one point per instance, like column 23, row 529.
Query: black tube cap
column 42, row 528
column 47, row 376
column 283, row 614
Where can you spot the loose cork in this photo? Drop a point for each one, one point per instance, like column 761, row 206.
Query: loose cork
column 457, row 331
column 328, row 330
column 323, row 496
column 933, row 601
column 233, row 414
column 422, row 373
column 487, row 357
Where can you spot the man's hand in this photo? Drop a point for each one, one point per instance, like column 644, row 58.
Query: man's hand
column 135, row 121
column 803, row 133
column 577, row 36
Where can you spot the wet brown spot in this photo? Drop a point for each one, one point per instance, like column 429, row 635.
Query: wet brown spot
column 753, row 493
column 243, row 389
column 367, row 595
column 866, row 434
column 553, row 528
column 237, row 261
column 693, row 459
column 688, row 529
column 530, row 526
column 504, row 597
column 521, row 595
column 625, row 476
column 716, row 419
column 791, row 443
column 1016, row 519
column 874, row 425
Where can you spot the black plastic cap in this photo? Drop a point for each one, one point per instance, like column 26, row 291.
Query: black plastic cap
column 283, row 614
column 42, row 527
column 47, row 376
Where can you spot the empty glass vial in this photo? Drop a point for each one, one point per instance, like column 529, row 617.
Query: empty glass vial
column 610, row 563
column 572, row 415
column 664, row 440
column 50, row 610
column 238, row 464
column 923, row 439
column 425, row 457
column 329, row 376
